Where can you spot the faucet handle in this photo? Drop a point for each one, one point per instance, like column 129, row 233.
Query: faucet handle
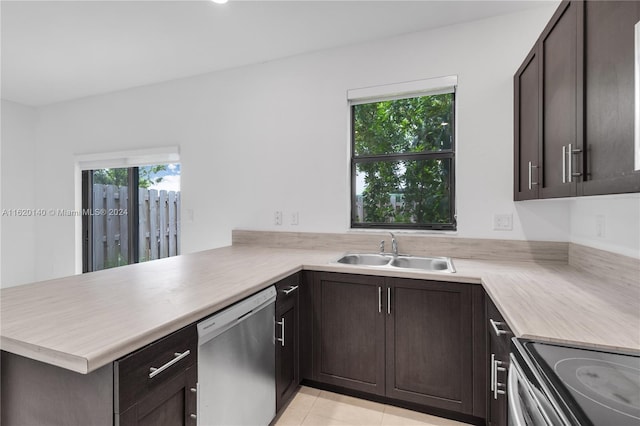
column 381, row 246
column 394, row 244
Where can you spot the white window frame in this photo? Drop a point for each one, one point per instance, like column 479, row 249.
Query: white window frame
column 394, row 91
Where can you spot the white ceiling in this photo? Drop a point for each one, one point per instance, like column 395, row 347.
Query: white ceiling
column 54, row 51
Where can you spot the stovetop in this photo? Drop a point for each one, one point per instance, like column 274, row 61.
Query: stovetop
column 599, row 388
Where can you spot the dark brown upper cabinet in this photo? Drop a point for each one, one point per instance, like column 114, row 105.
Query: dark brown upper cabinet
column 609, row 97
column 574, row 106
column 547, row 111
column 560, row 111
column 527, row 128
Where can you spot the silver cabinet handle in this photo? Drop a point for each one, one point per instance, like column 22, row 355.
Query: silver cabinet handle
column 531, row 182
column 564, row 164
column 153, row 372
column 281, row 324
column 498, row 331
column 571, row 152
column 496, row 385
column 567, row 171
column 570, row 163
column 290, row 290
column 193, row 390
column 388, row 300
column 193, row 416
column 379, row 300
column 493, row 371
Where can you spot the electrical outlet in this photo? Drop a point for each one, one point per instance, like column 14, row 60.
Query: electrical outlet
column 277, row 218
column 503, row 222
column 600, row 228
column 294, row 218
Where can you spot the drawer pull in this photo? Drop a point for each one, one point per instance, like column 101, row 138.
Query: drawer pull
column 290, row 290
column 498, row 331
column 193, row 416
column 153, row 372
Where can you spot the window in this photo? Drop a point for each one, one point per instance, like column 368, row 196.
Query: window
column 120, row 226
column 403, row 161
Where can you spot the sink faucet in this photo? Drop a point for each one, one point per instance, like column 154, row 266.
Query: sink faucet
column 394, row 244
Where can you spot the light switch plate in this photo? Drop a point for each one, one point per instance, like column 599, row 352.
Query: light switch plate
column 503, row 222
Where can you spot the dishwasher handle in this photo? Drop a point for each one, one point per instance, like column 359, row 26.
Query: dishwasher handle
column 224, row 320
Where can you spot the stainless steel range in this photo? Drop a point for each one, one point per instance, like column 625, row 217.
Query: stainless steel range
column 551, row 384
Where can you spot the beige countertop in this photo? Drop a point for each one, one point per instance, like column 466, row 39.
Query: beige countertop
column 86, row 321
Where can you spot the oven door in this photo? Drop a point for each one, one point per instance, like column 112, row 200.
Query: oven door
column 528, row 405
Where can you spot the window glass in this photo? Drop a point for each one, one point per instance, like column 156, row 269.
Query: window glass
column 403, row 163
column 121, row 226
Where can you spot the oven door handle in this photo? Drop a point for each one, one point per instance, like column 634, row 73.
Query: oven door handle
column 516, row 418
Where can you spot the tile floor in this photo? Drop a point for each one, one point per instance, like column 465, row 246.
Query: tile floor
column 314, row 407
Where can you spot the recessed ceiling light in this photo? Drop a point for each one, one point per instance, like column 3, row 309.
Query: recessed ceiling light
column 220, row 1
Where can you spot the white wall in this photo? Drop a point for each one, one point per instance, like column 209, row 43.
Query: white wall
column 18, row 185
column 274, row 136
column 609, row 223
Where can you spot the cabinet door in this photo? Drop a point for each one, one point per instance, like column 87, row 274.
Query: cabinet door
column 348, row 347
column 429, row 344
column 561, row 108
column 609, row 97
column 498, row 336
column 287, row 341
column 306, row 320
column 499, row 366
column 527, row 128
column 170, row 405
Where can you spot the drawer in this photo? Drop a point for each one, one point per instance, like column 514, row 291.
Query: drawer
column 131, row 373
column 288, row 288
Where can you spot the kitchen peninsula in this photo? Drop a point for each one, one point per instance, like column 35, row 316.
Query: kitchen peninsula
column 84, row 323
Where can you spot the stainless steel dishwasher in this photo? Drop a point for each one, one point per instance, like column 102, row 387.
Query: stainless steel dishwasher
column 236, row 364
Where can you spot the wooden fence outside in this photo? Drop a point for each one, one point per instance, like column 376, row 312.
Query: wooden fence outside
column 158, row 219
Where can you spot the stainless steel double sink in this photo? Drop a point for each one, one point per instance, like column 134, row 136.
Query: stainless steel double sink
column 433, row 264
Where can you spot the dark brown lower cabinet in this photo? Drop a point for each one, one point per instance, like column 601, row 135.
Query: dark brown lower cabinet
column 348, row 343
column 170, row 405
column 120, row 393
column 498, row 338
column 429, row 343
column 402, row 339
column 157, row 384
column 287, row 339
